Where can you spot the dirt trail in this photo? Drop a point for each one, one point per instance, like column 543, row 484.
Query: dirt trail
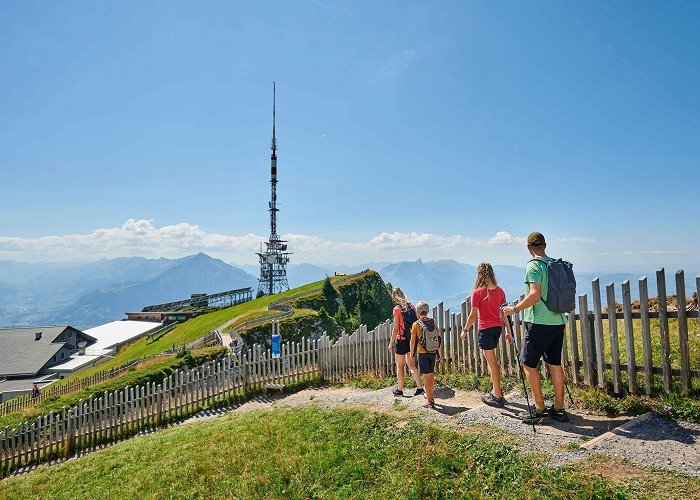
column 647, row 441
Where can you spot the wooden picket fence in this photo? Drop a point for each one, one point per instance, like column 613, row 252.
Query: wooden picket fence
column 114, row 416
column 19, row 403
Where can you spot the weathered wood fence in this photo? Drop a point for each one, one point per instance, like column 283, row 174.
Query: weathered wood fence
column 591, row 355
column 17, row 404
column 114, row 416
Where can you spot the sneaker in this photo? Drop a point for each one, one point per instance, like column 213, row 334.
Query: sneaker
column 491, row 400
column 397, row 392
column 419, row 392
column 536, row 417
column 559, row 415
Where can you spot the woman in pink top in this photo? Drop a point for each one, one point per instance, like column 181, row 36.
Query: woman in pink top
column 487, row 298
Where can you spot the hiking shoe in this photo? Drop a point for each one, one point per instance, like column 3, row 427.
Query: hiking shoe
column 559, row 415
column 419, row 392
column 536, row 417
column 491, row 400
column 397, row 392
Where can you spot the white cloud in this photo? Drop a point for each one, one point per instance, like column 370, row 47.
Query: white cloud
column 143, row 238
column 577, row 239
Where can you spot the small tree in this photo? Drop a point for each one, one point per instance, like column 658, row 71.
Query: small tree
column 330, row 295
column 261, row 293
column 342, row 319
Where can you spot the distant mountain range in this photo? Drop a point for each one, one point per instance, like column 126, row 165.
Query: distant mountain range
column 89, row 294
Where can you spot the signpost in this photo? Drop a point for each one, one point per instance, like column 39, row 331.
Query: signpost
column 276, row 340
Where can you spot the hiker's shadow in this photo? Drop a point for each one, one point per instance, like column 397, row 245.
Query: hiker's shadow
column 444, row 392
column 658, row 428
column 449, row 410
column 577, row 424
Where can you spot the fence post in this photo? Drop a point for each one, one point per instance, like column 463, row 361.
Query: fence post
column 599, row 343
column 646, row 334
column 159, row 405
column 614, row 344
column 663, row 329
column 70, row 441
column 683, row 333
column 586, row 343
column 629, row 336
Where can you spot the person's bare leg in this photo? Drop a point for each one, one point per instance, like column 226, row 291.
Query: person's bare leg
column 410, row 361
column 430, row 386
column 495, row 370
column 533, row 379
column 557, row 373
column 400, row 360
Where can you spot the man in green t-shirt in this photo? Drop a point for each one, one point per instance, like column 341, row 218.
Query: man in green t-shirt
column 544, row 334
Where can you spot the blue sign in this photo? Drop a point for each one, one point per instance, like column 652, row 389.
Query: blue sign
column 276, row 345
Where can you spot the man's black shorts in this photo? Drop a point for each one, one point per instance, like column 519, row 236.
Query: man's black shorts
column 426, row 362
column 488, row 338
column 403, row 346
column 542, row 341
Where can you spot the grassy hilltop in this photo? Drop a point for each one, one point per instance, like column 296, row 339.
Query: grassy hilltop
column 311, row 452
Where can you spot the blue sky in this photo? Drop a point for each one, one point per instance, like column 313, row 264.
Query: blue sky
column 405, row 129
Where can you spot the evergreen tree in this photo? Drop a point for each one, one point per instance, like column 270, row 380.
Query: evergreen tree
column 330, row 295
column 342, row 319
column 328, row 323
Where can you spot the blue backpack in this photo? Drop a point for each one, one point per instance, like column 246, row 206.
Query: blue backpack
column 561, row 285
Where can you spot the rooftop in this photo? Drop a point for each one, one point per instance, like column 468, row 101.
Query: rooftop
column 117, row 332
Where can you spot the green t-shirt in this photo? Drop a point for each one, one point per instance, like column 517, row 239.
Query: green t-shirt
column 536, row 272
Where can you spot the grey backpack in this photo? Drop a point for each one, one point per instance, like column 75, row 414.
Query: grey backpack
column 561, row 288
column 430, row 341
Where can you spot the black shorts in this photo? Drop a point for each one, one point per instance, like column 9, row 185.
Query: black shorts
column 542, row 341
column 403, row 346
column 488, row 338
column 426, row 362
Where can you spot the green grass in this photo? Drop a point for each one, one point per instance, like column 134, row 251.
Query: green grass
column 316, row 453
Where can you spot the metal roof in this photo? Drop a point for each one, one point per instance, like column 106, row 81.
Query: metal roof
column 74, row 362
column 117, row 332
column 21, row 354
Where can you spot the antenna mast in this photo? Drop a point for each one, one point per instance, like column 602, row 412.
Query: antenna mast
column 273, row 261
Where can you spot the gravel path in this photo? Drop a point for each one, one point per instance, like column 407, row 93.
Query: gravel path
column 655, row 441
column 650, row 440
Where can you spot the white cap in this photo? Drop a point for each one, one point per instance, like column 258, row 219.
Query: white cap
column 422, row 306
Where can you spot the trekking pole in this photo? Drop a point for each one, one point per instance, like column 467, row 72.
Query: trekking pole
column 509, row 328
column 568, row 391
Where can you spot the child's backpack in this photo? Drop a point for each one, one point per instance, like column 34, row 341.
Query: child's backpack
column 561, row 287
column 429, row 340
column 409, row 317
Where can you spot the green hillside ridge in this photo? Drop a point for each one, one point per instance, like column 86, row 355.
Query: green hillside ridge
column 320, row 453
column 189, row 331
column 363, row 299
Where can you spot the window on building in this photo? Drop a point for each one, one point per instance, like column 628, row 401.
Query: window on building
column 63, row 355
